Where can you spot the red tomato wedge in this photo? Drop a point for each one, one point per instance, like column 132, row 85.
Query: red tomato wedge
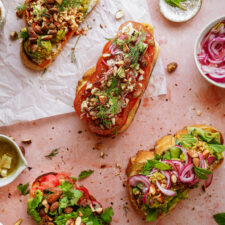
column 107, row 101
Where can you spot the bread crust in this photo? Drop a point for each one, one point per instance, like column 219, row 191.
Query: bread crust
column 39, row 67
column 132, row 113
column 136, row 162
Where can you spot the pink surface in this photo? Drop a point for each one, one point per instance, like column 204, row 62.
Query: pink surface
column 187, row 92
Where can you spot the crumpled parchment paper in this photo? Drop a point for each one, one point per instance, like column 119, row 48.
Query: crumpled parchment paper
column 28, row 95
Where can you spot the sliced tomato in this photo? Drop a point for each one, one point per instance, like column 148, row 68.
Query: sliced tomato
column 121, row 118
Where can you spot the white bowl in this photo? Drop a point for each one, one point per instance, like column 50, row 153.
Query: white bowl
column 21, row 165
column 197, row 48
column 177, row 15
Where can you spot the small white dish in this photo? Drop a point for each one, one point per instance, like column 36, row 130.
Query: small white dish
column 175, row 14
column 197, row 48
column 2, row 15
column 22, row 163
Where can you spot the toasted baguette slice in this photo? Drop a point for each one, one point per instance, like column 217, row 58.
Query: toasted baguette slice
column 29, row 63
column 49, row 185
column 137, row 162
column 133, row 111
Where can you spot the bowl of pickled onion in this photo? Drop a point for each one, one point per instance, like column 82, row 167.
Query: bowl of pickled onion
column 209, row 52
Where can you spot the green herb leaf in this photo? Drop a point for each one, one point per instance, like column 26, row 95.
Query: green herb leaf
column 33, row 204
column 23, row 189
column 21, row 7
column 23, row 34
column 205, row 135
column 71, row 195
column 201, row 173
column 187, row 140
column 62, row 219
column 150, row 164
column 176, row 3
column 219, row 218
column 84, row 174
column 74, row 178
column 151, row 215
column 52, row 154
column 107, row 215
column 217, row 148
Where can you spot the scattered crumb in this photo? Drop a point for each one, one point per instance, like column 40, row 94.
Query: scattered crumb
column 119, row 14
column 98, row 146
column 18, row 222
column 27, row 141
column 22, row 150
column 171, row 67
column 102, row 154
column 118, row 166
column 199, row 113
column 79, row 132
column 29, row 168
column 14, row 36
column 92, row 181
column 101, row 26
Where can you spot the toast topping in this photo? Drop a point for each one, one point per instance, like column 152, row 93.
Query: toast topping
column 63, row 202
column 164, row 180
column 123, row 78
column 49, row 22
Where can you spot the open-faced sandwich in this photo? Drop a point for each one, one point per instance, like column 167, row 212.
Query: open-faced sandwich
column 158, row 179
column 109, row 95
column 49, row 25
column 57, row 199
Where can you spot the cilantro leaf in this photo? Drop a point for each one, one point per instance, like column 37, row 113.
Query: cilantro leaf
column 74, row 178
column 201, row 173
column 107, row 215
column 217, row 148
column 21, row 7
column 71, row 195
column 219, row 218
column 62, row 219
column 85, row 174
column 150, row 164
column 23, row 189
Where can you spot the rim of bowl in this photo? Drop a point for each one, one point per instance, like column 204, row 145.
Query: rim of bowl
column 178, row 21
column 11, row 178
column 202, row 33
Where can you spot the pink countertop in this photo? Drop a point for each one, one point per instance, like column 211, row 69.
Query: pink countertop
column 187, row 92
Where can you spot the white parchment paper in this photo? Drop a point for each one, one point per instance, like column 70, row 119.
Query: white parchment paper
column 28, row 95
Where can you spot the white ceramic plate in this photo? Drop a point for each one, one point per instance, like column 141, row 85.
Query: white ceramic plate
column 178, row 15
column 197, row 49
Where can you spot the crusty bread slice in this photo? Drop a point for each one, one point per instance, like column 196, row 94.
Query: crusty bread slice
column 132, row 113
column 136, row 162
column 39, row 67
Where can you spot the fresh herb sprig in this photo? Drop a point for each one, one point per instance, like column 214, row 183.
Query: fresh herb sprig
column 52, row 154
column 176, row 3
column 84, row 174
column 24, row 189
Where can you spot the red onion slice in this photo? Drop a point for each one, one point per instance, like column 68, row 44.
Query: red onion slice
column 187, row 175
column 134, row 180
column 165, row 191
column 168, row 178
column 203, row 164
column 209, row 180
